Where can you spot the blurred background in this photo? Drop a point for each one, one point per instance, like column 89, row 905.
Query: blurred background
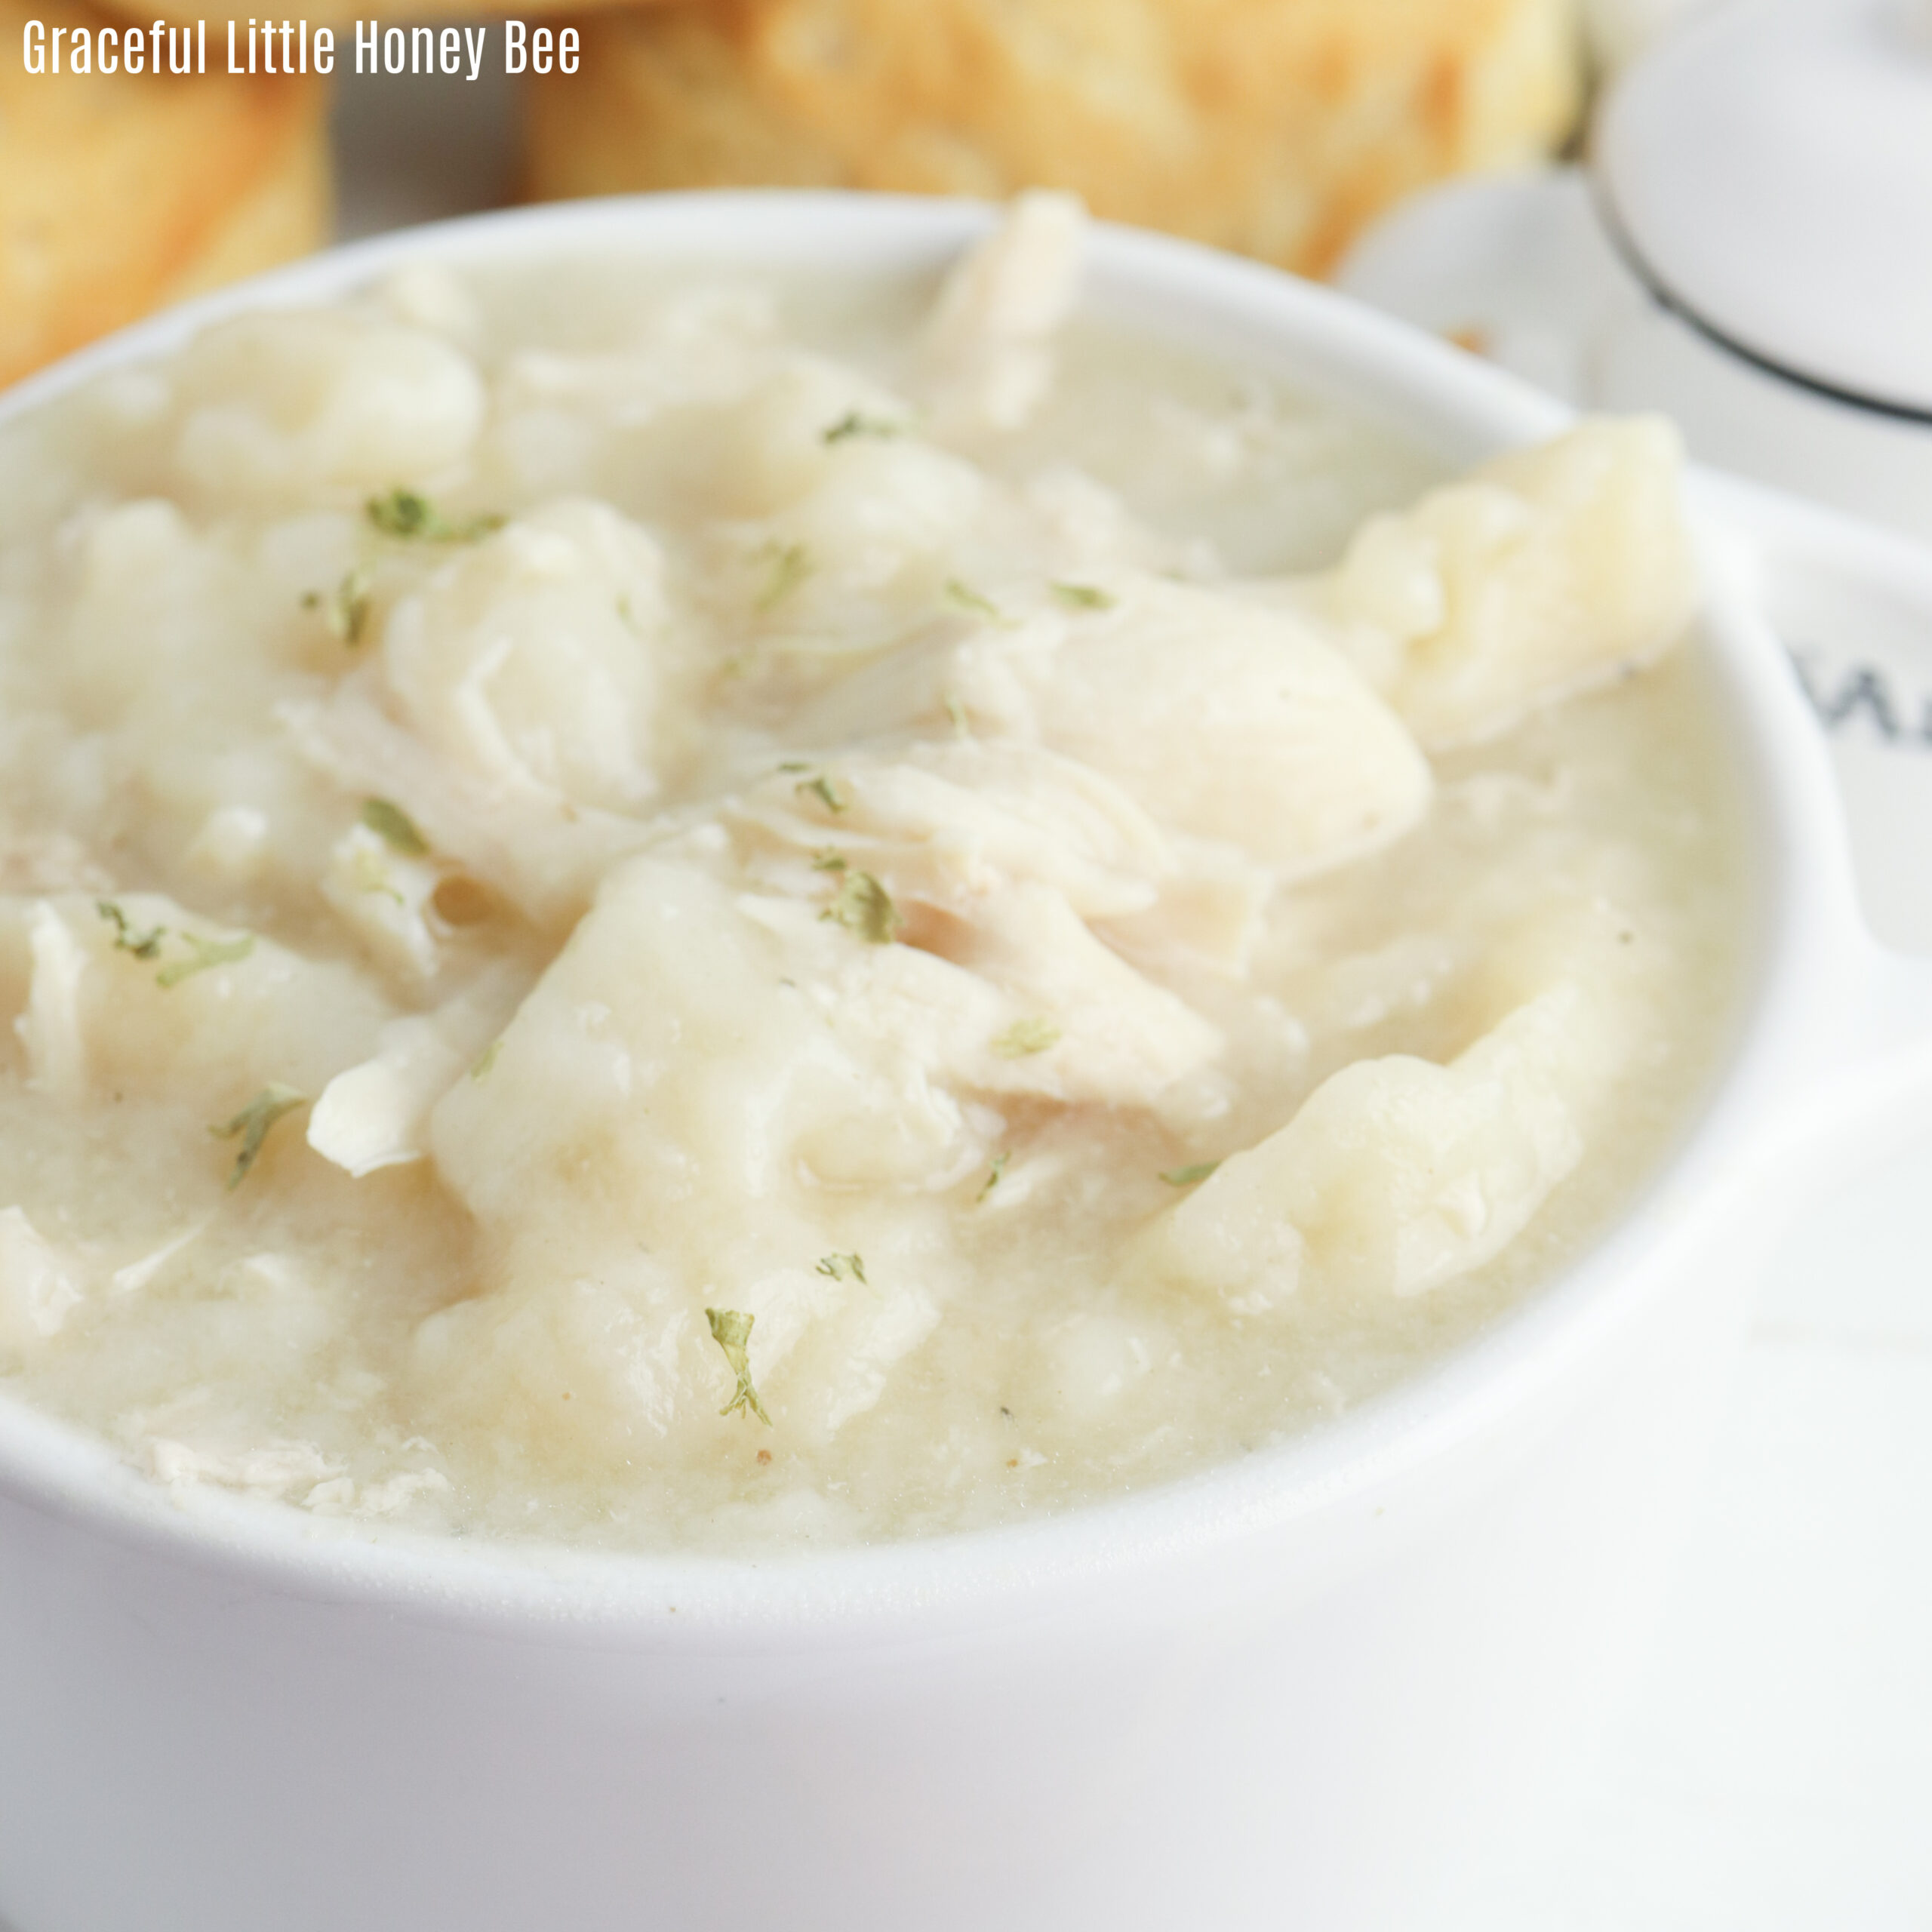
column 1280, row 128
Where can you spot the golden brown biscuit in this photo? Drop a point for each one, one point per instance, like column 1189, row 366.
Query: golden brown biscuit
column 1276, row 126
column 287, row 213
column 119, row 191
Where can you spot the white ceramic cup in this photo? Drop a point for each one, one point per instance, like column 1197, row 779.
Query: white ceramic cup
column 1523, row 265
column 1306, row 1691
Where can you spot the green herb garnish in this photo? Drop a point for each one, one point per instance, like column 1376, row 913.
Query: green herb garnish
column 485, row 1060
column 346, row 608
column 393, row 827
column 1083, row 597
column 993, row 1174
column 411, row 518
column 206, row 953
column 1188, row 1176
column 852, row 423
column 253, row 1124
column 961, row 725
column 732, row 1332
column 143, row 945
column 967, row 598
column 790, row 565
column 864, row 906
column 838, row 1266
column 822, row 788
column 1026, row 1036
column 830, row 860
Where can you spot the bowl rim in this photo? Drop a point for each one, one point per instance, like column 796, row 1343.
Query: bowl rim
column 1811, row 943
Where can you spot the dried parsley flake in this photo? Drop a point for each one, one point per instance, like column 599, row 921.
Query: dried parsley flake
column 346, row 608
column 864, row 906
column 393, row 827
column 788, row 565
column 207, row 953
column 967, row 598
column 143, row 945
column 822, row 788
column 1189, row 1177
column 411, row 518
column 1083, row 597
column 732, row 1332
column 1026, row 1036
column 855, row 423
column 253, row 1124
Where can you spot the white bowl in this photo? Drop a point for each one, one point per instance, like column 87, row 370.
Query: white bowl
column 1301, row 1690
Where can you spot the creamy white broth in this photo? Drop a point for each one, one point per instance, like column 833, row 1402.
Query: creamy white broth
column 878, row 839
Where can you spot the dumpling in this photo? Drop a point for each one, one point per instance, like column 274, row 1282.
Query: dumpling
column 1544, row 571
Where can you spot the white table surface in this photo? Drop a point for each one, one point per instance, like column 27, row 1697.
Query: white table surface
column 1772, row 1772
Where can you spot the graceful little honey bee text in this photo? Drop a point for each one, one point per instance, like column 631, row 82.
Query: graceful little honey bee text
column 292, row 47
